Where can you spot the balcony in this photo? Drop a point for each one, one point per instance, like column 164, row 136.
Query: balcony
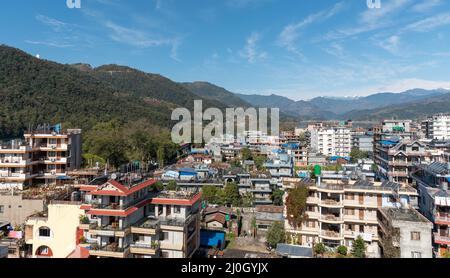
column 442, row 219
column 111, row 230
column 331, row 218
column 331, row 203
column 145, row 249
column 149, row 226
column 332, row 235
column 441, row 239
column 109, row 251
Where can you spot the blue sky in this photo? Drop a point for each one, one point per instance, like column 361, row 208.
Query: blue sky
column 299, row 48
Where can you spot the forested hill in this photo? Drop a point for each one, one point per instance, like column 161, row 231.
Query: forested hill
column 35, row 91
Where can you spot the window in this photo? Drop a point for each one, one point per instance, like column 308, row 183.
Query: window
column 2, row 209
column 415, row 236
column 165, row 236
column 177, row 209
column 44, row 232
column 416, row 255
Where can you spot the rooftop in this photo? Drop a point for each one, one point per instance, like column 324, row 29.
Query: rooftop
column 401, row 214
column 294, row 250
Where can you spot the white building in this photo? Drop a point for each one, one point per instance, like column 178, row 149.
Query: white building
column 332, row 141
column 439, row 127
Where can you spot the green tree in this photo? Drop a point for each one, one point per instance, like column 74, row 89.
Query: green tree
column 359, row 248
column 209, row 194
column 247, row 200
column 276, row 234
column 246, row 154
column 277, row 197
column 172, row 186
column 259, row 162
column 357, row 154
column 160, row 156
column 296, row 205
column 231, row 194
column 159, row 186
column 319, row 249
column 254, row 226
column 342, row 250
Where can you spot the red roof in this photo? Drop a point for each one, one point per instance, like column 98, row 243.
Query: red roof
column 79, row 253
column 122, row 189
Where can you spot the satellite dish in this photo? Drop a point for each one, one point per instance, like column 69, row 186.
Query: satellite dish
column 38, row 56
column 114, row 176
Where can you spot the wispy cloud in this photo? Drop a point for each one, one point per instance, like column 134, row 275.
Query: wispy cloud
column 251, row 52
column 426, row 5
column 50, row 43
column 291, row 33
column 370, row 20
column 57, row 25
column 245, row 3
column 429, row 23
column 391, row 44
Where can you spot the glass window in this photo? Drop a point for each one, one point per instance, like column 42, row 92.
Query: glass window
column 2, row 209
column 415, row 236
column 44, row 232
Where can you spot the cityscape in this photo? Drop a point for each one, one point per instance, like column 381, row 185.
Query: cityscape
column 284, row 153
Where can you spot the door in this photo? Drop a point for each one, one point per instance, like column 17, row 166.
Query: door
column 361, row 214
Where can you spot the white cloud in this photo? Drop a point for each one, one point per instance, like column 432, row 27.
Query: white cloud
column 426, row 5
column 57, row 25
column 430, row 23
column 291, row 32
column 391, row 44
column 250, row 51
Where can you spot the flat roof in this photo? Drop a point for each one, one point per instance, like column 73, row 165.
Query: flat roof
column 294, row 250
column 401, row 214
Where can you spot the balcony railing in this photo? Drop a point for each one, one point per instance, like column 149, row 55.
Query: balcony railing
column 442, row 218
column 331, row 217
column 442, row 239
column 330, row 202
column 330, row 234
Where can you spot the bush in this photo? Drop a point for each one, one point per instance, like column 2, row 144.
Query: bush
column 320, row 249
column 342, row 250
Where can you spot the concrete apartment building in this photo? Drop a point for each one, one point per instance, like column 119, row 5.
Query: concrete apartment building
column 407, row 230
column 396, row 159
column 363, row 142
column 15, row 208
column 338, row 212
column 127, row 218
column 53, row 234
column 43, row 157
column 432, row 183
column 331, row 141
column 437, row 127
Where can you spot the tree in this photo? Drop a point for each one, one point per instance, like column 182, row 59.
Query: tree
column 172, row 186
column 276, row 234
column 359, row 248
column 159, row 186
column 209, row 194
column 319, row 249
column 277, row 197
column 296, row 205
column 246, row 154
column 259, row 162
column 231, row 194
column 160, row 156
column 342, row 250
column 357, row 154
column 247, row 200
column 254, row 226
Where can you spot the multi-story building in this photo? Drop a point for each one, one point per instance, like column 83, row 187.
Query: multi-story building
column 432, row 184
column 437, row 127
column 338, row 212
column 44, row 157
column 54, row 233
column 332, row 141
column 15, row 208
column 396, row 159
column 363, row 142
column 281, row 166
column 405, row 230
column 127, row 217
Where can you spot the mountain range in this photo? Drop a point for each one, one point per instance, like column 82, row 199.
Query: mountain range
column 35, row 91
